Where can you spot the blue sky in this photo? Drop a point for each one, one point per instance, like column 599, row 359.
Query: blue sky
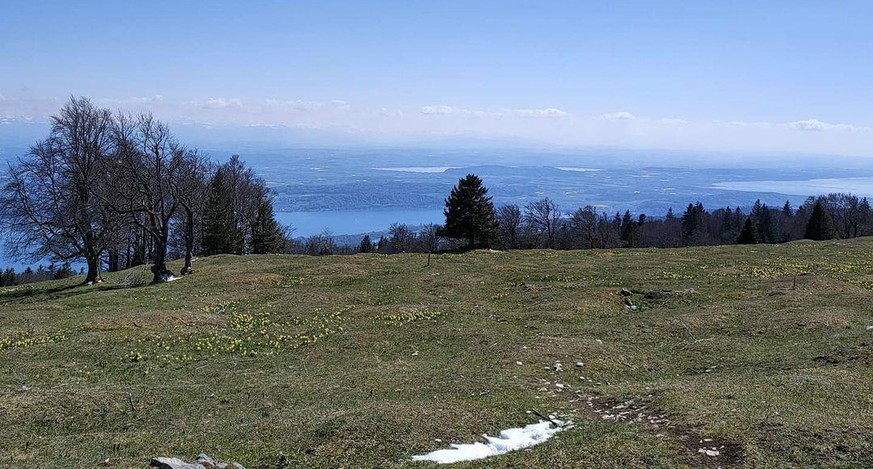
column 738, row 75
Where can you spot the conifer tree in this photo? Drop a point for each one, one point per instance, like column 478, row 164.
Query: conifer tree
column 470, row 213
column 220, row 233
column 267, row 236
column 366, row 245
column 820, row 226
column 749, row 233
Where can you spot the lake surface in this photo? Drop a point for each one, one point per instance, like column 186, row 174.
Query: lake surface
column 343, row 222
column 860, row 186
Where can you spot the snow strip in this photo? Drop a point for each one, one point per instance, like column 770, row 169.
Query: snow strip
column 512, row 439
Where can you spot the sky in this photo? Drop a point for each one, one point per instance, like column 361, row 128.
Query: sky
column 783, row 76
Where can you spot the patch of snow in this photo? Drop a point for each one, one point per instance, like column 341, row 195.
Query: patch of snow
column 869, row 328
column 172, row 278
column 709, row 452
column 512, row 439
column 494, row 251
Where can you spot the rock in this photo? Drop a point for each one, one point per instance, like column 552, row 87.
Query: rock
column 654, row 295
column 203, row 462
column 207, row 462
column 624, row 292
column 869, row 328
column 579, row 364
column 174, row 463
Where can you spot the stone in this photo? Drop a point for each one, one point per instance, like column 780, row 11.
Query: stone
column 654, row 295
column 624, row 292
column 174, row 463
column 207, row 462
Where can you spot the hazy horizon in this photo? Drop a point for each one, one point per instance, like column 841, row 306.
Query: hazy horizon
column 744, row 77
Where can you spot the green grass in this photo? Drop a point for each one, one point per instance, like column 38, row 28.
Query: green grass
column 312, row 360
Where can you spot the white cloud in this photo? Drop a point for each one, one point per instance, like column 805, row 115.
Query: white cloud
column 221, row 103
column 440, row 110
column 672, row 121
column 549, row 112
column 305, row 105
column 443, row 110
column 815, row 125
column 618, row 116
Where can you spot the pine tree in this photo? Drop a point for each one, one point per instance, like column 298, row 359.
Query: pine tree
column 629, row 230
column 220, row 233
column 267, row 236
column 366, row 245
column 820, row 226
column 470, row 213
column 749, row 233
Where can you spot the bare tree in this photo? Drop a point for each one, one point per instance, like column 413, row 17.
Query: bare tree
column 544, row 219
column 49, row 206
column 247, row 191
column 583, row 225
column 191, row 189
column 509, row 222
column 147, row 164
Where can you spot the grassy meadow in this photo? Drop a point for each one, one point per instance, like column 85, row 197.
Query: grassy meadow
column 760, row 352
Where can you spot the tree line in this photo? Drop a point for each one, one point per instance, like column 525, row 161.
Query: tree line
column 473, row 222
column 113, row 191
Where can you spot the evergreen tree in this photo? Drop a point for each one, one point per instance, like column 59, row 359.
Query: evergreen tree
column 630, row 230
column 267, row 236
column 470, row 213
column 821, row 225
column 693, row 222
column 366, row 245
column 8, row 278
column 749, row 233
column 220, row 233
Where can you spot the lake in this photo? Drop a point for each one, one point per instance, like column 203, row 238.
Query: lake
column 860, row 186
column 343, row 222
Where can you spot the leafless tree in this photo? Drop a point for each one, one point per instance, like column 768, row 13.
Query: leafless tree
column 191, row 189
column 543, row 218
column 146, row 165
column 49, row 206
column 247, row 191
column 509, row 221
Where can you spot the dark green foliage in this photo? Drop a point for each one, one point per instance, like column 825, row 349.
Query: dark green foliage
column 62, row 272
column 267, row 235
column 630, row 232
column 366, row 245
column 749, row 233
column 8, row 278
column 220, row 233
column 693, row 222
column 821, row 225
column 470, row 213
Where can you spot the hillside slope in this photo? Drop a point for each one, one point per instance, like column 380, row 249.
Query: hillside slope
column 363, row 361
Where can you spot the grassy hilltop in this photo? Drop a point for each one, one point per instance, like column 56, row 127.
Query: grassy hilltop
column 362, row 361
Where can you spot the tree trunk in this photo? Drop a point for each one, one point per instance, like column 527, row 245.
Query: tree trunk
column 93, row 275
column 159, row 269
column 189, row 243
column 114, row 260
